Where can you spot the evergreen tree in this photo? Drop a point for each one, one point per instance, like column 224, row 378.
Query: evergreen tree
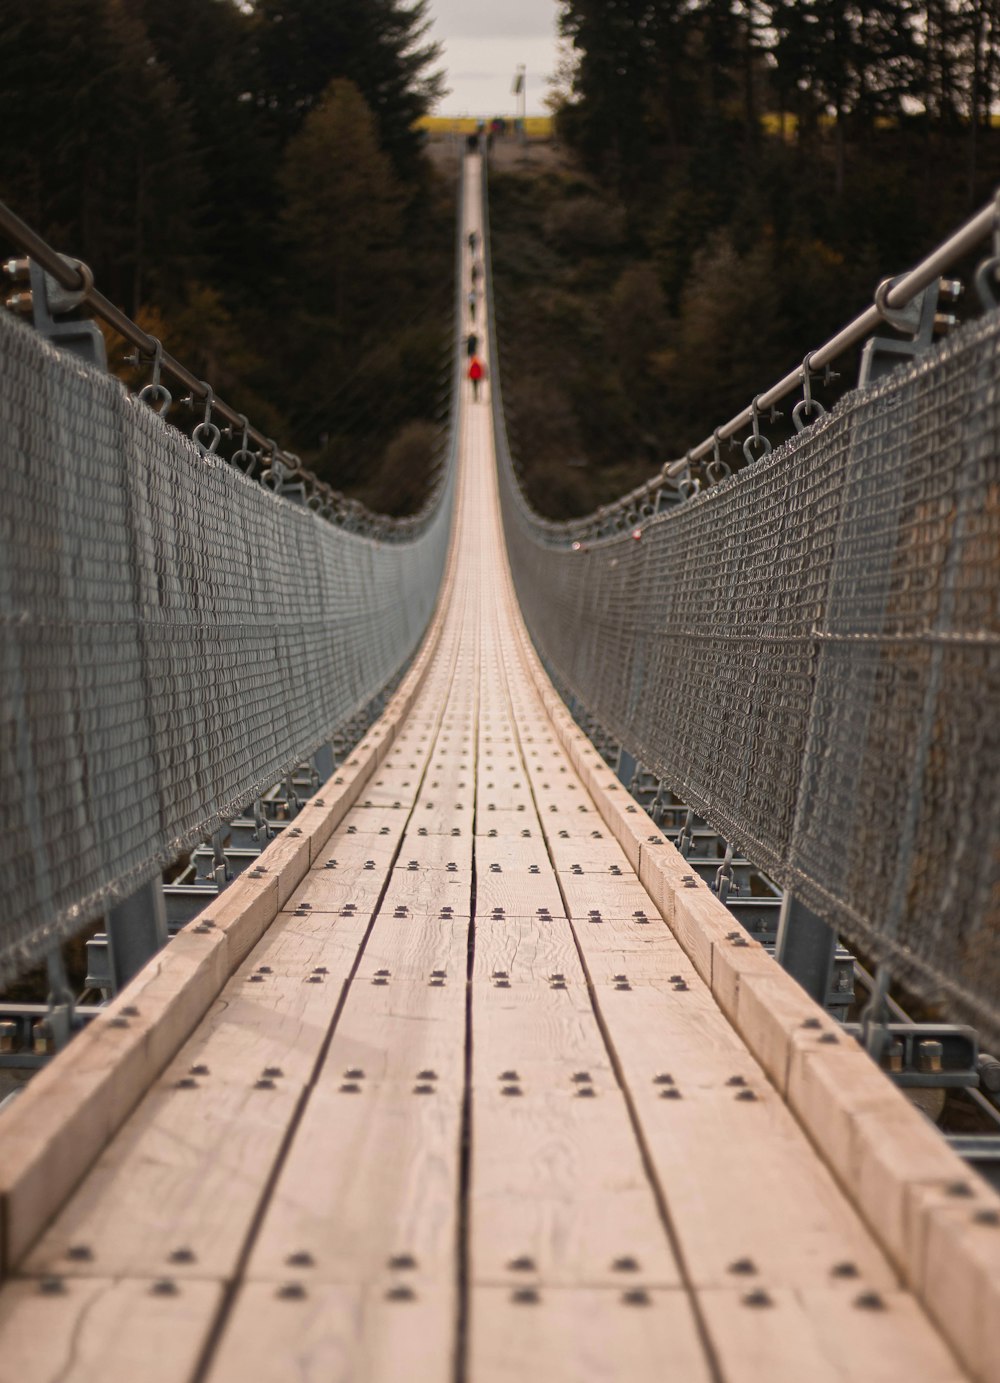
column 380, row 45
column 96, row 141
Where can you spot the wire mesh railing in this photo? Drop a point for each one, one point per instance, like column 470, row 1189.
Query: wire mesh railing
column 808, row 654
column 176, row 636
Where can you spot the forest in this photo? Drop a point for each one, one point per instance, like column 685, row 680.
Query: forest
column 735, row 179
column 246, row 181
column 731, row 180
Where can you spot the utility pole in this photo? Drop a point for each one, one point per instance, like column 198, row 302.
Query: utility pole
column 520, row 90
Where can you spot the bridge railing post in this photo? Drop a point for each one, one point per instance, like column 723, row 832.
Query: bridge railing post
column 137, row 929
column 806, row 946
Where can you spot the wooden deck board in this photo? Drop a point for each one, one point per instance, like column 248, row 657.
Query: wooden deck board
column 583, row 1336
column 96, row 1330
column 352, row 1208
column 336, row 1334
column 187, row 1172
column 558, row 1181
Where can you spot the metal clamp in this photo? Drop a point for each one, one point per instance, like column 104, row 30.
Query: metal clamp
column 988, row 272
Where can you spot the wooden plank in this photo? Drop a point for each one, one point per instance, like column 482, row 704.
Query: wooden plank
column 581, row 1336
column 251, row 1029
column 186, row 1172
column 824, row 1336
column 597, row 856
column 333, row 891
column 525, row 851
column 428, row 893
column 372, row 1175
column 393, row 795
column 349, row 853
column 450, row 853
column 94, row 1330
column 524, row 949
column 520, row 894
column 393, row 1028
column 557, row 1179
column 440, row 815
column 611, row 897
column 375, row 821
column 741, row 1183
column 543, row 1033
column 299, row 942
column 335, row 1334
column 506, row 824
column 417, row 948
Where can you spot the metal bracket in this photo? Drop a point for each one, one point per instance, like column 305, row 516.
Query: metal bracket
column 49, row 304
column 882, row 354
column 136, row 930
column 927, row 1055
column 806, row 947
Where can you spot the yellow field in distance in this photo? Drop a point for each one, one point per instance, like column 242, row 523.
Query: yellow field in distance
column 440, row 126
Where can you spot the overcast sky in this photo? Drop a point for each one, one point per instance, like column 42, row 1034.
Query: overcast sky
column 484, row 42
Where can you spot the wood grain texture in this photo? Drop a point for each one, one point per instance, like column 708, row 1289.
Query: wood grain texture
column 95, row 1330
column 187, row 1171
column 543, row 1033
column 824, row 1335
column 525, row 949
column 338, row 1335
column 395, row 1029
column 417, row 948
column 557, row 1179
column 352, row 1205
column 584, row 1336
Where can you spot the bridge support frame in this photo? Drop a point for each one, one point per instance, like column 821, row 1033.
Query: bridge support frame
column 806, row 947
column 137, row 929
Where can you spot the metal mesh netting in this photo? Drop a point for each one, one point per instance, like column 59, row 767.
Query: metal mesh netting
column 175, row 638
column 809, row 655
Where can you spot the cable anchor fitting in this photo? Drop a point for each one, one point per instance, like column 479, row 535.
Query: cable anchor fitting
column 155, row 394
column 756, row 446
column 807, row 406
column 206, row 435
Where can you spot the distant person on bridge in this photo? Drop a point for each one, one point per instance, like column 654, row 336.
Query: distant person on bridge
column 471, row 344
column 473, row 241
column 477, row 373
column 472, row 304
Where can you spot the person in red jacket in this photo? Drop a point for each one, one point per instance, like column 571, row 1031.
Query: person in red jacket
column 476, row 374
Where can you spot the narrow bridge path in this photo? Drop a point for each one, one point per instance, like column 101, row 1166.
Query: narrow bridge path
column 467, row 1110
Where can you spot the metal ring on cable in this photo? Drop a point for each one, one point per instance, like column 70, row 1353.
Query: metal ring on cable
column 206, row 435
column 807, row 405
column 717, row 470
column 154, row 392
column 274, row 473
column 756, row 439
column 244, row 458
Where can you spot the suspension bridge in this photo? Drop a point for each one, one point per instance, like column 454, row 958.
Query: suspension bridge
column 469, row 1056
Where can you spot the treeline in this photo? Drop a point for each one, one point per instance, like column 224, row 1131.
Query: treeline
column 246, row 180
column 742, row 175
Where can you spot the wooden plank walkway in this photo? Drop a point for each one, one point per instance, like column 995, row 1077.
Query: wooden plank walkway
column 468, row 1108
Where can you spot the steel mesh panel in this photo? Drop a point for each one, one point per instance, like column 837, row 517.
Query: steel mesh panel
column 809, row 655
column 175, row 638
